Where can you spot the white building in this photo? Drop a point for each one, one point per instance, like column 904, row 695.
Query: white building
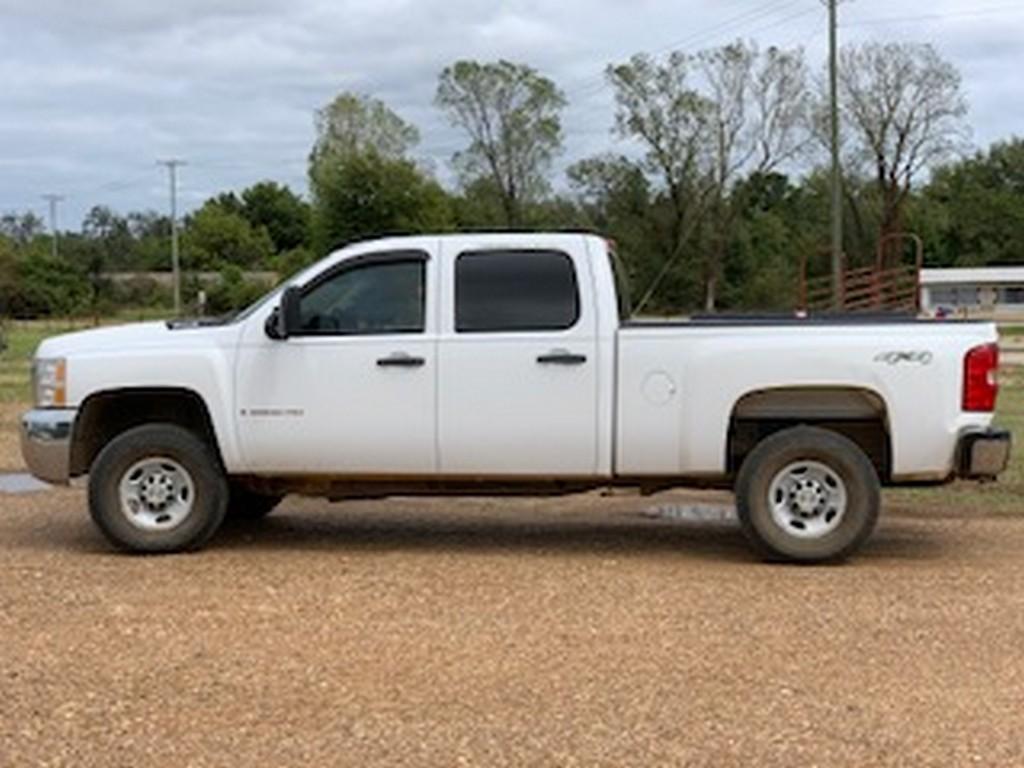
column 973, row 291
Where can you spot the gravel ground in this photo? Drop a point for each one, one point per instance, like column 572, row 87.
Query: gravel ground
column 566, row 632
column 10, row 451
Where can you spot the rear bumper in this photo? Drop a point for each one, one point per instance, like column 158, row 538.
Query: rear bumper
column 984, row 455
column 46, row 443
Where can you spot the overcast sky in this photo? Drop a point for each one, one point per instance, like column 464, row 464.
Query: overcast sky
column 93, row 93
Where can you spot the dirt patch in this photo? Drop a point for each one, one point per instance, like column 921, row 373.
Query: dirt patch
column 517, row 632
column 10, row 451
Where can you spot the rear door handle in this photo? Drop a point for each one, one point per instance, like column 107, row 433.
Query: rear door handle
column 561, row 357
column 401, row 360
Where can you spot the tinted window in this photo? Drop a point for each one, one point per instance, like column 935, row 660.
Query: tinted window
column 515, row 291
column 375, row 298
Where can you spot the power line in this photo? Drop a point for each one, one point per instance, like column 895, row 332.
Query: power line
column 881, row 20
column 806, row 33
column 731, row 25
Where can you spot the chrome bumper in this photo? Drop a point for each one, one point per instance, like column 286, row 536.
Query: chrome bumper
column 984, row 455
column 46, row 443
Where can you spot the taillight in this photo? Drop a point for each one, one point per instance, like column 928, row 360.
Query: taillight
column 981, row 366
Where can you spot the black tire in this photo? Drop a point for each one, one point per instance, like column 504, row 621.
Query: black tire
column 208, row 503
column 246, row 504
column 791, row 447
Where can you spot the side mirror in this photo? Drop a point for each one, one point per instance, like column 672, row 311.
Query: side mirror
column 285, row 321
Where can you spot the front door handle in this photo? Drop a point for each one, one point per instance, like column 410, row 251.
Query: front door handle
column 561, row 357
column 401, row 360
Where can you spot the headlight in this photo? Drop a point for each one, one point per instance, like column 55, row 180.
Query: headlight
column 50, row 380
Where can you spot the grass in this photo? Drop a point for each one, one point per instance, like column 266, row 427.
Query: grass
column 22, row 339
column 24, row 336
column 1004, row 498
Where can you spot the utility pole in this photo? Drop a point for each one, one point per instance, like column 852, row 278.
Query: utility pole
column 172, row 168
column 837, row 181
column 53, row 200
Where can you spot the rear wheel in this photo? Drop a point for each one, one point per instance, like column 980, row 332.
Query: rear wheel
column 807, row 495
column 157, row 488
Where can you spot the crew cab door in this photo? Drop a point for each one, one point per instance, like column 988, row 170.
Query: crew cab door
column 518, row 379
column 353, row 392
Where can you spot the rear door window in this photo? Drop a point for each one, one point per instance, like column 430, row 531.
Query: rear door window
column 515, row 291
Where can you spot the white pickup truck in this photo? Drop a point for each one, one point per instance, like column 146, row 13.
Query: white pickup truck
column 506, row 363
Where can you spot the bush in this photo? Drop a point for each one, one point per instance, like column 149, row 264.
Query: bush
column 233, row 292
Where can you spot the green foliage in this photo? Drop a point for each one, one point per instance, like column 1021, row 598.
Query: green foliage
column 479, row 206
column 140, row 292
column 367, row 195
column 291, row 262
column 216, row 236
column 701, row 215
column 617, row 198
column 973, row 210
column 232, row 291
column 512, row 116
column 280, row 211
column 47, row 286
column 356, row 125
column 21, row 228
column 8, row 274
column 904, row 113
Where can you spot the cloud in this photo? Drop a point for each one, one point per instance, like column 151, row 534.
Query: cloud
column 95, row 92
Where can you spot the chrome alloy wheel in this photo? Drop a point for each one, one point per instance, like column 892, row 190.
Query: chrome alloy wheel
column 156, row 494
column 807, row 499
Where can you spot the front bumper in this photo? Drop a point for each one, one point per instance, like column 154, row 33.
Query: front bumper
column 46, row 443
column 984, row 455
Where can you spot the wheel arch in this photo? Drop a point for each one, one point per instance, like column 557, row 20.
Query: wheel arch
column 104, row 415
column 859, row 413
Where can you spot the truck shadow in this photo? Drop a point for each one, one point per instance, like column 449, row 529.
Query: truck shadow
column 482, row 536
column 411, row 529
column 628, row 535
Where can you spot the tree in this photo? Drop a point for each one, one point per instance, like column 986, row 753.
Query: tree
column 283, row 213
column 478, row 205
column 759, row 120
column 775, row 223
column 150, row 231
column 215, row 237
column 21, row 228
column 512, row 117
column 361, row 181
column 368, row 195
column 46, row 286
column 616, row 198
column 658, row 105
column 354, row 124
column 8, row 281
column 904, row 112
column 105, row 235
column 703, row 119
column 973, row 210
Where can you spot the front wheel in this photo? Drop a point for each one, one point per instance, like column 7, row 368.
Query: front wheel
column 157, row 488
column 807, row 495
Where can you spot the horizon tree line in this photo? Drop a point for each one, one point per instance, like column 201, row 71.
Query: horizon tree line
column 721, row 192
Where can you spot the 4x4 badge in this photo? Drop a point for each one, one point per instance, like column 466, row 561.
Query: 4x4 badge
column 917, row 357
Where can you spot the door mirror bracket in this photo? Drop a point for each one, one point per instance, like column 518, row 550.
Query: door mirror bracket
column 285, row 320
